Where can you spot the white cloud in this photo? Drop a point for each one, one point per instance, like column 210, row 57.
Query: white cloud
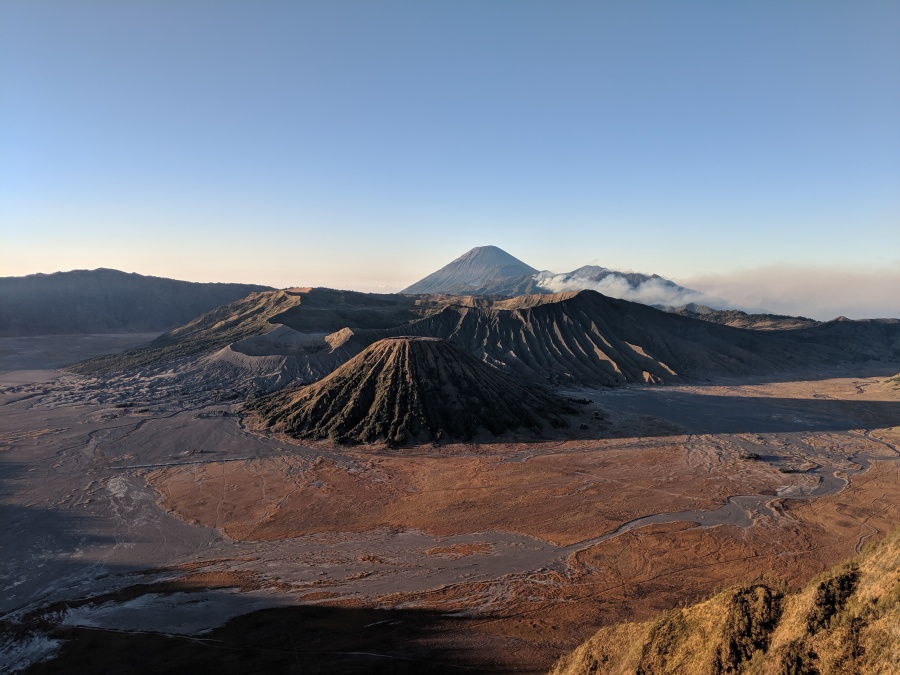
column 819, row 292
column 650, row 292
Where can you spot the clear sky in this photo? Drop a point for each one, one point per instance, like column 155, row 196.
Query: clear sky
column 363, row 144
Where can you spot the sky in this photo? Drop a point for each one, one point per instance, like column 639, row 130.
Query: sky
column 747, row 149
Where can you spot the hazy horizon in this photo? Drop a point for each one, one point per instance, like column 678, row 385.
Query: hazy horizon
column 818, row 293
column 747, row 150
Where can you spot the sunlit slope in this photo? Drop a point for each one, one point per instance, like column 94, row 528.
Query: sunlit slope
column 483, row 270
column 845, row 621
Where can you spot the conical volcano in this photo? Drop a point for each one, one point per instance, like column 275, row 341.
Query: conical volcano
column 484, row 270
column 409, row 389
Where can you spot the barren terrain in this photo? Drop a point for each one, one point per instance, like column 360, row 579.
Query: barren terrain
column 152, row 515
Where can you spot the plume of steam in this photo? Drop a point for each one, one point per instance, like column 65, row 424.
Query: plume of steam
column 649, row 291
column 820, row 292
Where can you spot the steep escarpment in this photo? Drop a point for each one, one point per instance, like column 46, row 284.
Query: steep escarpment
column 845, row 621
column 409, row 389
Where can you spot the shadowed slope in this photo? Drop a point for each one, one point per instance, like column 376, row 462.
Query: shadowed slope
column 845, row 621
column 408, row 388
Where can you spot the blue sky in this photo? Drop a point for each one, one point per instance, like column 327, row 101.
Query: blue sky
column 364, row 144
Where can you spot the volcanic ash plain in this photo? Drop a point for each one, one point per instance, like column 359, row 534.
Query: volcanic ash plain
column 498, row 555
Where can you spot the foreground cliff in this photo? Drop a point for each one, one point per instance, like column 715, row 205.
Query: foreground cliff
column 844, row 621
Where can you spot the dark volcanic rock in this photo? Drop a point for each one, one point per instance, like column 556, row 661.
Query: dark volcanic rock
column 409, row 388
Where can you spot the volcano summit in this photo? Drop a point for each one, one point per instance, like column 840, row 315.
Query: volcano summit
column 485, row 270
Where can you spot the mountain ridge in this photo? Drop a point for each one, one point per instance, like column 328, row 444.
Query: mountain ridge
column 106, row 301
column 489, row 270
column 278, row 338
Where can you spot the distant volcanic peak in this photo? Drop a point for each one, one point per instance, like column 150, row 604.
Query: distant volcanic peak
column 588, row 270
column 597, row 273
column 408, row 388
column 484, row 269
column 493, row 256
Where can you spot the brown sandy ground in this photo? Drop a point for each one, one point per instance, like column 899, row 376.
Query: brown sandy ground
column 566, row 493
column 492, row 546
column 634, row 576
column 522, row 622
column 562, row 493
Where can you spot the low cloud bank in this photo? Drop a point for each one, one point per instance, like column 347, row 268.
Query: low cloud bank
column 654, row 291
column 822, row 293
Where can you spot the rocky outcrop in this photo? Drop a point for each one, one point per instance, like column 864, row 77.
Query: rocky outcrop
column 845, row 621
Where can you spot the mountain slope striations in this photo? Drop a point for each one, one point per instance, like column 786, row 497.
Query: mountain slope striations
column 409, row 388
column 585, row 338
column 581, row 338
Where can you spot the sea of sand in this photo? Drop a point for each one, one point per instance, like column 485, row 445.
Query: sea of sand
column 153, row 515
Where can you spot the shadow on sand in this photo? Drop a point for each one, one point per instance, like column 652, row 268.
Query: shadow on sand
column 697, row 413
column 302, row 639
column 47, row 583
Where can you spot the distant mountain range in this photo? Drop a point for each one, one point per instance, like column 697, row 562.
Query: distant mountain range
column 298, row 336
column 106, row 301
column 110, row 301
column 491, row 271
